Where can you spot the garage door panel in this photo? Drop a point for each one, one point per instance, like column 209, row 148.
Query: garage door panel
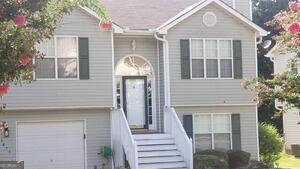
column 53, row 145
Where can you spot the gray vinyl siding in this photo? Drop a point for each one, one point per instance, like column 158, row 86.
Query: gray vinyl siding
column 146, row 46
column 98, row 130
column 97, row 91
column 229, row 2
column 291, row 127
column 211, row 91
column 248, row 123
column 244, row 7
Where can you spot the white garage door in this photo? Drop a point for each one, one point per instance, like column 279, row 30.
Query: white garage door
column 51, row 145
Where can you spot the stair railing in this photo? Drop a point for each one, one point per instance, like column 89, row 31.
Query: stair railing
column 173, row 126
column 122, row 140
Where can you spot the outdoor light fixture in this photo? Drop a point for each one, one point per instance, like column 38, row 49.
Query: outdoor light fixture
column 4, row 128
column 267, row 44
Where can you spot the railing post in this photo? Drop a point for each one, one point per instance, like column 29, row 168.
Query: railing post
column 191, row 154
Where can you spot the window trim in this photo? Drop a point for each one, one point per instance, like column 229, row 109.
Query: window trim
column 55, row 57
column 212, row 129
column 205, row 58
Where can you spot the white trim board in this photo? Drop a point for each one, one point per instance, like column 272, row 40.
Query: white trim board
column 187, row 12
column 214, row 105
column 60, row 108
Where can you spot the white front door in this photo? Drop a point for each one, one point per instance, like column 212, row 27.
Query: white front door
column 51, row 145
column 135, row 101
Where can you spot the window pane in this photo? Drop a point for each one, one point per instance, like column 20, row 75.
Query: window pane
column 222, row 141
column 221, row 123
column 45, row 68
column 226, row 67
column 197, row 48
column 133, row 66
column 225, row 48
column 202, row 124
column 203, row 142
column 197, row 68
column 211, row 49
column 66, row 47
column 67, row 68
column 46, row 47
column 211, row 68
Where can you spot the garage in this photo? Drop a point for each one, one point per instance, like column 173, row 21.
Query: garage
column 51, row 145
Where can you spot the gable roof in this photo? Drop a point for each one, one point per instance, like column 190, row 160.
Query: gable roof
column 198, row 6
column 144, row 14
column 161, row 15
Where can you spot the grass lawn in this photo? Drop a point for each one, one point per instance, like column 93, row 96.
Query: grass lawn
column 289, row 162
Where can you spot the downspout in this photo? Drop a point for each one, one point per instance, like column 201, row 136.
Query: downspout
column 166, row 68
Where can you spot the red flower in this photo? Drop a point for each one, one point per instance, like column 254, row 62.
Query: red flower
column 20, row 20
column 4, row 89
column 295, row 6
column 24, row 61
column 106, row 24
column 294, row 28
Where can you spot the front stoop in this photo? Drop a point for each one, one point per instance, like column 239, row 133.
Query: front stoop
column 158, row 151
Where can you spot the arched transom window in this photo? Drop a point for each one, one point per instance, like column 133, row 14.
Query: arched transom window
column 133, row 66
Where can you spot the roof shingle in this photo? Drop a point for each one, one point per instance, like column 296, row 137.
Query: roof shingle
column 144, row 14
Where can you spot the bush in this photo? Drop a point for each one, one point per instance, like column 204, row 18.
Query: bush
column 238, row 158
column 209, row 162
column 270, row 143
column 221, row 154
column 253, row 164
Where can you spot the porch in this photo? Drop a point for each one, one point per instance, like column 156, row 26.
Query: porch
column 170, row 149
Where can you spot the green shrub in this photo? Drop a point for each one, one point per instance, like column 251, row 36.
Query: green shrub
column 209, row 162
column 270, row 143
column 253, row 164
column 221, row 154
column 238, row 158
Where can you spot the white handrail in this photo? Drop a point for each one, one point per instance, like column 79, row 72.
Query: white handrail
column 123, row 141
column 173, row 126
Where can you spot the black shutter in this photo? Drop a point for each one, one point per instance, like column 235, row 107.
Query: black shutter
column 237, row 59
column 84, row 66
column 185, row 58
column 236, row 131
column 188, row 125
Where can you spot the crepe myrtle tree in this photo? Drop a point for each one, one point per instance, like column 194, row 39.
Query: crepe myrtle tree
column 285, row 87
column 25, row 23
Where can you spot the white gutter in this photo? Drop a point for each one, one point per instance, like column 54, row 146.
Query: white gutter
column 166, row 68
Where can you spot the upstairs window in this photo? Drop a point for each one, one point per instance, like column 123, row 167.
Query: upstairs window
column 61, row 60
column 211, row 58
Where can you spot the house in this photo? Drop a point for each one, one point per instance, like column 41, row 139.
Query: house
column 164, row 83
column 291, row 118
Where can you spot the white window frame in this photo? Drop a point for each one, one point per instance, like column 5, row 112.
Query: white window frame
column 212, row 129
column 205, row 58
column 55, row 57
